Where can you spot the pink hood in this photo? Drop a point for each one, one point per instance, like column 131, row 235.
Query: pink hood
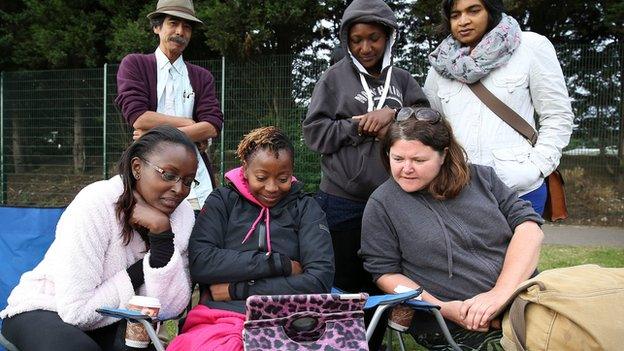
column 236, row 177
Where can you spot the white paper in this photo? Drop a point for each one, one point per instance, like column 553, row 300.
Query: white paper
column 399, row 289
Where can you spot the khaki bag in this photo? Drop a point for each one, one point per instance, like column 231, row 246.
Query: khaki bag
column 573, row 308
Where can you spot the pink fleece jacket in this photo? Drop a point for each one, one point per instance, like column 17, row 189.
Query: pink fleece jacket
column 210, row 329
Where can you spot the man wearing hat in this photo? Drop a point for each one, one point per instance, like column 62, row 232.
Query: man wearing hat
column 160, row 88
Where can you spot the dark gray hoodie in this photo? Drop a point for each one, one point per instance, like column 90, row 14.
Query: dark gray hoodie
column 350, row 163
column 453, row 248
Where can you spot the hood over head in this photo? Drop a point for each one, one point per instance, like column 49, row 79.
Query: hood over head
column 369, row 11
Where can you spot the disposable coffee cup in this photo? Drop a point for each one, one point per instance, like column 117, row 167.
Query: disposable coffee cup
column 400, row 318
column 136, row 335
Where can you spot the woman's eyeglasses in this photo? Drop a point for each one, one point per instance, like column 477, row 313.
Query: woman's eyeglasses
column 172, row 177
column 424, row 114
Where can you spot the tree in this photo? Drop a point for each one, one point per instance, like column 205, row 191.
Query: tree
column 264, row 44
column 71, row 34
column 589, row 35
column 419, row 28
column 243, row 29
column 56, row 34
column 575, row 22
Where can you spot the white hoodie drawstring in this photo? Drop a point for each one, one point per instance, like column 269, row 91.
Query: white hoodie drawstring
column 369, row 94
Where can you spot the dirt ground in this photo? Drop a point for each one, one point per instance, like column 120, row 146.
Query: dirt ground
column 594, row 199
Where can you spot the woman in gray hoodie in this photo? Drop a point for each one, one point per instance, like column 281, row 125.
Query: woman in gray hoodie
column 353, row 103
column 452, row 228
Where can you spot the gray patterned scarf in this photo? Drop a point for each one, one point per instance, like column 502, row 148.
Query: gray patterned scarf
column 454, row 61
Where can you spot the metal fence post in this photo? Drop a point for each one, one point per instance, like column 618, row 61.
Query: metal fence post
column 2, row 175
column 621, row 136
column 224, row 120
column 104, row 126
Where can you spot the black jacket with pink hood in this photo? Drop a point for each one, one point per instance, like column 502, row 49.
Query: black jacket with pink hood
column 238, row 241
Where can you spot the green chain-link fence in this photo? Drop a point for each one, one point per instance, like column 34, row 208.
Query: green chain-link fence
column 61, row 130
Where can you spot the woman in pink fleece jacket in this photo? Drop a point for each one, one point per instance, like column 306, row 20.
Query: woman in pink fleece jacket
column 116, row 239
column 259, row 235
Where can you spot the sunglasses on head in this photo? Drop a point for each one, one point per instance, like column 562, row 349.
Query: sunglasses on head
column 424, row 114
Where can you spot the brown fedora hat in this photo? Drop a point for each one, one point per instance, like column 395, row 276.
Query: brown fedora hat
column 178, row 8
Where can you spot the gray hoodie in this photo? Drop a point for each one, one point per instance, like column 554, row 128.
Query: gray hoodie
column 350, row 162
column 453, row 248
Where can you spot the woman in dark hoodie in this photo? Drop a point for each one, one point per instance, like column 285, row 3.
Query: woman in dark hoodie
column 259, row 235
column 351, row 108
column 451, row 228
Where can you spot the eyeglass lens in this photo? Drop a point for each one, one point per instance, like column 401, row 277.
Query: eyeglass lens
column 421, row 114
column 172, row 177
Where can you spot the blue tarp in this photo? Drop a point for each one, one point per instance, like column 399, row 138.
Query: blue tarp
column 25, row 235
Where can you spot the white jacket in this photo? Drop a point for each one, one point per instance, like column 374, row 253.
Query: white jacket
column 531, row 81
column 85, row 267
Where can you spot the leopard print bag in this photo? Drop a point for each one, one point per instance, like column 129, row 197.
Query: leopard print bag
column 305, row 322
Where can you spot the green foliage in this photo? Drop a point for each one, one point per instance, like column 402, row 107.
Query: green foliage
column 77, row 33
column 579, row 21
column 87, row 33
column 418, row 26
column 130, row 34
column 243, row 29
column 56, row 34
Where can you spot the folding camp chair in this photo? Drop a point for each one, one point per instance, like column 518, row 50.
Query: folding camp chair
column 379, row 302
column 6, row 344
column 420, row 306
column 26, row 235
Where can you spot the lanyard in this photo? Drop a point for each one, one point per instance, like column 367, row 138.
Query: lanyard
column 369, row 94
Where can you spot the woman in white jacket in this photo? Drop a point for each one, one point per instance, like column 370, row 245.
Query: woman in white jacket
column 522, row 70
column 115, row 239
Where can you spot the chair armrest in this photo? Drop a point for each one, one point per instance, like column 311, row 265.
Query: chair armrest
column 122, row 313
column 335, row 290
column 421, row 305
column 135, row 316
column 391, row 299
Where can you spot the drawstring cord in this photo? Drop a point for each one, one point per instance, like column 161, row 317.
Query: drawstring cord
column 447, row 239
column 369, row 94
column 268, row 230
column 267, row 218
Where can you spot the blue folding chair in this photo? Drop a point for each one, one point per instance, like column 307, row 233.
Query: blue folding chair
column 420, row 306
column 25, row 235
column 384, row 302
column 379, row 302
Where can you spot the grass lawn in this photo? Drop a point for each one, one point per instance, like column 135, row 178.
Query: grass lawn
column 554, row 256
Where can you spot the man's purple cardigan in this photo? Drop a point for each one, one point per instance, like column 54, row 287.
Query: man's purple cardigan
column 136, row 90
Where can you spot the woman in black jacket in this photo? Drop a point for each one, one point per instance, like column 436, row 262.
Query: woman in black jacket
column 260, row 234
